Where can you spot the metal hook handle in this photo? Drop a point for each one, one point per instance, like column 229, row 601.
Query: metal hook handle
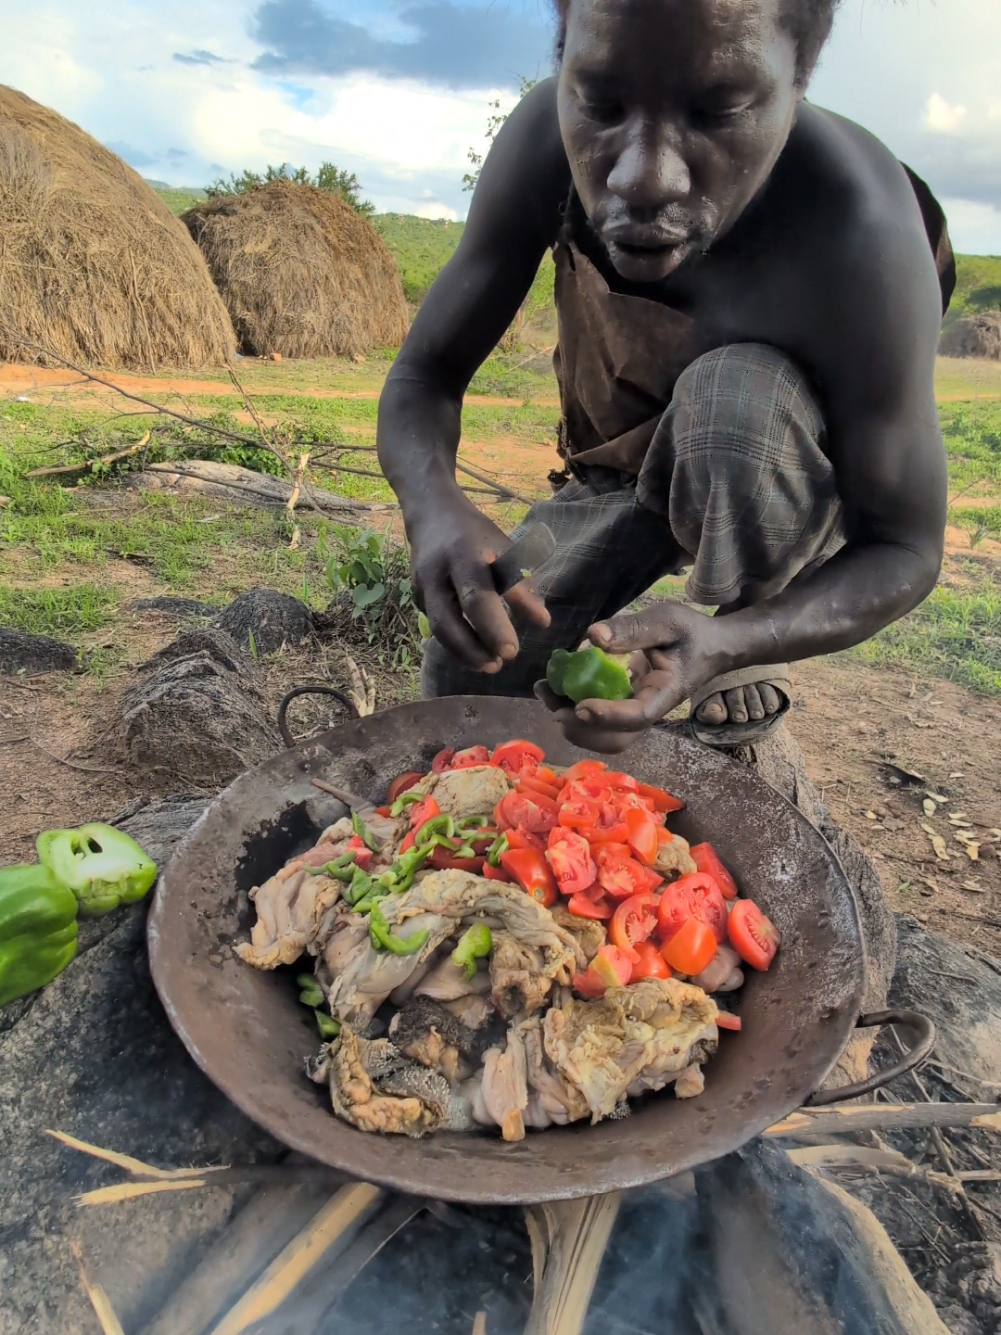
column 924, row 1035
column 296, row 691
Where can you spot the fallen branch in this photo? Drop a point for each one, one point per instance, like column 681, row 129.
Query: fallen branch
column 88, row 464
column 850, row 1117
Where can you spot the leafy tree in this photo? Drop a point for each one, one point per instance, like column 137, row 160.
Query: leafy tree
column 494, row 121
column 333, row 179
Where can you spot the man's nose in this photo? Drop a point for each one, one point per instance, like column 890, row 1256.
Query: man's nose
column 651, row 171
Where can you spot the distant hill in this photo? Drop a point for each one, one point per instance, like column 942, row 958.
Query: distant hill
column 421, row 247
column 178, row 198
column 978, row 285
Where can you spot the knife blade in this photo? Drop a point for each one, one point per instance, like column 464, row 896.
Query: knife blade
column 535, row 546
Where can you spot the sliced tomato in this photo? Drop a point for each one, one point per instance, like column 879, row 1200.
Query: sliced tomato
column 511, row 756
column 611, row 967
column 625, row 782
column 442, row 760
column 642, row 834
column 442, row 860
column 727, row 1020
column 383, row 811
column 531, row 870
column 753, row 936
column 664, row 836
column 662, row 800
column 422, row 812
column 613, row 834
column 409, row 839
column 621, row 875
column 471, row 756
column 363, row 854
column 527, row 812
column 691, row 948
column 634, row 920
column 583, row 905
column 579, row 813
column 570, row 858
column 525, row 839
column 706, row 859
column 402, row 784
column 495, row 873
column 651, row 963
column 584, row 769
column 546, row 775
column 694, row 896
column 532, row 784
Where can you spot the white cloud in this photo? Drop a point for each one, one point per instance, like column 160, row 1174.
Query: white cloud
column 941, row 117
column 435, row 209
column 975, row 228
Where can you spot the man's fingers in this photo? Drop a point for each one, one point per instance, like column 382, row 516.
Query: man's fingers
column 639, row 630
column 484, row 609
column 452, row 631
column 658, row 694
column 527, row 603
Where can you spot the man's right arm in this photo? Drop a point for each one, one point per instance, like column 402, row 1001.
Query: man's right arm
column 512, row 221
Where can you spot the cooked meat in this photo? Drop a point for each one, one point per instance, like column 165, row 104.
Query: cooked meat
column 674, row 859
column 292, row 907
column 433, row 1036
column 447, row 982
column 690, row 1082
column 375, row 1088
column 460, row 894
column 369, row 975
column 589, row 933
column 559, row 1100
column 474, row 1011
column 467, row 792
column 717, row 974
column 519, row 983
column 505, row 1086
column 349, row 938
column 633, row 1039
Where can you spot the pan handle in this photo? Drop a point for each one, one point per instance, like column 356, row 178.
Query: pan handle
column 924, row 1041
column 296, row 691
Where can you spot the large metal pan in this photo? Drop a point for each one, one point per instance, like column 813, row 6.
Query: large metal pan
column 246, row 1030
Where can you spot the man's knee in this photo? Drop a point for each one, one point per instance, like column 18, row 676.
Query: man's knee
column 749, row 399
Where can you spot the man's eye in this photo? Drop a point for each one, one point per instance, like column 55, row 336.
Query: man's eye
column 605, row 112
column 719, row 115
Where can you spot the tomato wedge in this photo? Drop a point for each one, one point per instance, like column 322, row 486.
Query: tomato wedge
column 583, row 906
column 706, row 859
column 614, row 834
column 422, row 812
column 616, row 779
column 611, row 967
column 727, row 1020
column 651, row 964
column 442, row 860
column 694, row 896
column 662, row 800
column 620, row 875
column 402, row 784
column 495, row 873
column 472, row 755
column 635, row 920
column 641, row 830
column 511, row 756
column 530, row 784
column 526, row 811
column 753, row 936
column 570, row 858
column 518, row 838
column 442, row 760
column 691, row 948
column 584, row 769
column 531, row 870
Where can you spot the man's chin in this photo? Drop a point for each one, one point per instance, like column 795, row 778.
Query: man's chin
column 644, row 265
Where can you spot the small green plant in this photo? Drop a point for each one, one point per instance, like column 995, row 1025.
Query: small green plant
column 335, row 180
column 370, row 574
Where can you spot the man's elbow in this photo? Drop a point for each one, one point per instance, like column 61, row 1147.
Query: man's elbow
column 927, row 568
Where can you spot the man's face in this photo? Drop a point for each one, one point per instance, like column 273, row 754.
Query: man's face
column 673, row 113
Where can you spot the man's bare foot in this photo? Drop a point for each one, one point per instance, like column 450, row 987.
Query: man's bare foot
column 740, row 705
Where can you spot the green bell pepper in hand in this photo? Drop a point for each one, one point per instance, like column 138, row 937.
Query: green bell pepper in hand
column 38, row 930
column 101, row 865
column 589, row 674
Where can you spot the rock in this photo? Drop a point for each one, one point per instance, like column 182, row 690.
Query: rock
column 21, row 652
column 183, row 609
column 200, row 712
column 273, row 619
column 94, row 1055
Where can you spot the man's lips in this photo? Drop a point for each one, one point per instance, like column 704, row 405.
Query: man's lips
column 645, row 243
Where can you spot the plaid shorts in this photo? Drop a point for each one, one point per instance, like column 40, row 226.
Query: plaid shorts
column 735, row 485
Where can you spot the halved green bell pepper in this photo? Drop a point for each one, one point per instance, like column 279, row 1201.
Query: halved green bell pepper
column 38, row 929
column 589, row 674
column 101, row 865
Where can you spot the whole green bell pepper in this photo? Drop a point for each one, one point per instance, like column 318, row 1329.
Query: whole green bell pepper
column 589, row 674
column 38, row 931
column 101, row 865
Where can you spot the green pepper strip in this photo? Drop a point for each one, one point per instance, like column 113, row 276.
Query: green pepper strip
column 383, row 939
column 472, row 823
column 499, row 846
column 327, row 1025
column 475, row 943
column 405, row 800
column 341, row 869
column 311, row 994
column 436, row 825
column 364, row 833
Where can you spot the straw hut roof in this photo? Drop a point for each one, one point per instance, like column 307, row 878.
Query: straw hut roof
column 302, row 273
column 973, row 336
column 94, row 267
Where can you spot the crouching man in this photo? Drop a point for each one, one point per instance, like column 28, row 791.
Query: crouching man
column 749, row 292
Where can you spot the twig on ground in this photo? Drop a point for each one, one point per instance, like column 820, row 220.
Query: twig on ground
column 72, row 764
column 841, row 1119
column 88, row 464
column 99, row 1300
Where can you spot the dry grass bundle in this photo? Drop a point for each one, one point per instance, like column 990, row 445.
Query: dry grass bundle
column 93, row 265
column 301, row 272
column 974, row 336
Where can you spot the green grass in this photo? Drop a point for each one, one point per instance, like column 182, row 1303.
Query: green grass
column 421, row 248
column 978, row 285
column 179, row 199
column 954, row 634
column 59, row 612
column 972, row 433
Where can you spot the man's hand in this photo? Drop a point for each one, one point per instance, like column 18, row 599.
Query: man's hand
column 452, row 548
column 674, row 650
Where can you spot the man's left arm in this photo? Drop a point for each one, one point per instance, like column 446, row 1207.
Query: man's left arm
column 871, row 345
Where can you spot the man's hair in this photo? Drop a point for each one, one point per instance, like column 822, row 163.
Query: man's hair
column 808, row 22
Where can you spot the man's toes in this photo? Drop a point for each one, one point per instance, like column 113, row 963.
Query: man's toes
column 752, row 701
column 735, row 706
column 712, row 710
column 770, row 698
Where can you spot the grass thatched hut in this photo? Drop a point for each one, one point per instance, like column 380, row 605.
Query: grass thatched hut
column 973, row 336
column 301, row 272
column 93, row 265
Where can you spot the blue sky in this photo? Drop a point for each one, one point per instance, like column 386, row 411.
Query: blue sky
column 398, row 90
